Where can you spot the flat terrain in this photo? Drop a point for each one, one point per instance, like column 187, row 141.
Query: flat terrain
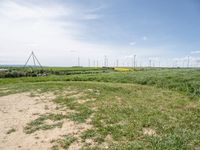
column 143, row 109
column 17, row 110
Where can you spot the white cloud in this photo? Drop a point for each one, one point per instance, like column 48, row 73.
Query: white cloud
column 90, row 16
column 132, row 43
column 144, row 38
column 17, row 11
column 195, row 52
column 96, row 9
column 27, row 27
column 52, row 31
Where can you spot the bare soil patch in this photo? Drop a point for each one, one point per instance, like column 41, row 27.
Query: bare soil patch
column 149, row 132
column 17, row 110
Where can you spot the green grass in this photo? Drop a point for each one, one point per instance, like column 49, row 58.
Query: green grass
column 14, row 72
column 64, row 142
column 82, row 111
column 39, row 123
column 184, row 80
column 164, row 111
column 123, row 105
column 124, row 110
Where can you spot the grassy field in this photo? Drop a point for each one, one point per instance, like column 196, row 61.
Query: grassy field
column 33, row 71
column 142, row 109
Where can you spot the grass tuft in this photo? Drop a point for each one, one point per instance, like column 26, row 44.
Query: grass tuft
column 39, row 123
column 64, row 142
column 11, row 131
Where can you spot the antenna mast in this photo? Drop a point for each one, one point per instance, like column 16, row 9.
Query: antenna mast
column 34, row 60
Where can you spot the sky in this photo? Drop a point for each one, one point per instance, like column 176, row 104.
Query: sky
column 165, row 33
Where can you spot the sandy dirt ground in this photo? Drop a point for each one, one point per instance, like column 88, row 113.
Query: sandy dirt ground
column 17, row 110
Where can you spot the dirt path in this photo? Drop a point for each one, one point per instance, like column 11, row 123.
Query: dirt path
column 17, row 110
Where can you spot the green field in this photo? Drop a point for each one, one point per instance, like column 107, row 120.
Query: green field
column 144, row 108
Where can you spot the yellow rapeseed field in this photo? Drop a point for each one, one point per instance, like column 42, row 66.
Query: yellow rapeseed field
column 122, row 69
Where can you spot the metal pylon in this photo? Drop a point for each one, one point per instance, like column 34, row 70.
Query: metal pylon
column 35, row 60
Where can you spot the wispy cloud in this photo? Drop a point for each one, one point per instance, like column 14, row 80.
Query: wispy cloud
column 90, row 16
column 96, row 9
column 19, row 11
column 53, row 28
column 47, row 29
column 132, row 43
column 144, row 38
column 195, row 52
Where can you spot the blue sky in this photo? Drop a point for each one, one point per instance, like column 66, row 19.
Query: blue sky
column 162, row 31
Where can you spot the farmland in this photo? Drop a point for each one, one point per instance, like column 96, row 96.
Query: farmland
column 102, row 108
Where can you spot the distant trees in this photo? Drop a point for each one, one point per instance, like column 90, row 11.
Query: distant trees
column 16, row 74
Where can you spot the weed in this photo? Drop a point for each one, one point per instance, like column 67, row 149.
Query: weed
column 11, row 131
column 39, row 123
column 64, row 142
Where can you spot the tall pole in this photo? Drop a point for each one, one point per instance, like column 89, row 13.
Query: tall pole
column 88, row 62
column 105, row 60
column 117, row 63
column 183, row 63
column 149, row 62
column 79, row 61
column 188, row 62
column 134, row 61
column 97, row 63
